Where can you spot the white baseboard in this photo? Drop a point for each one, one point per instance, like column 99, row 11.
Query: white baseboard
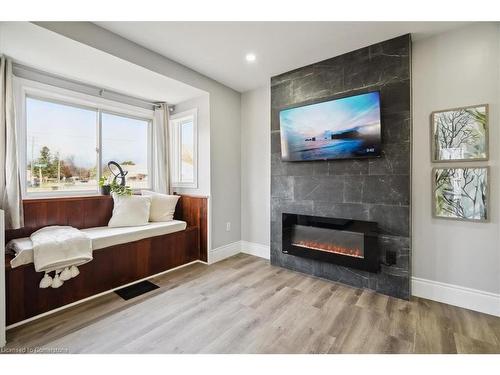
column 223, row 252
column 257, row 249
column 226, row 251
column 472, row 299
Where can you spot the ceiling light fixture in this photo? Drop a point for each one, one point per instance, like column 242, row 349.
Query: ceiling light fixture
column 250, row 57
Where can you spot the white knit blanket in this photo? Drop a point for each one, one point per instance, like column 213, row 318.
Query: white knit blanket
column 59, row 247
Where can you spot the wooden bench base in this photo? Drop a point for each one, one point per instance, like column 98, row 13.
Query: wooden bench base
column 112, row 267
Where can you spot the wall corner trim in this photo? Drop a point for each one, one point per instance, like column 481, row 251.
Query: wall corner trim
column 257, row 249
column 472, row 299
column 233, row 248
column 223, row 252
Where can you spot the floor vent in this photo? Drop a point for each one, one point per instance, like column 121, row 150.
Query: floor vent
column 135, row 290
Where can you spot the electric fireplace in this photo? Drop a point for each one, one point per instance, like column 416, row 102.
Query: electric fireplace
column 350, row 243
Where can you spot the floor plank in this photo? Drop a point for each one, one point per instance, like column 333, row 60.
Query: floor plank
column 245, row 305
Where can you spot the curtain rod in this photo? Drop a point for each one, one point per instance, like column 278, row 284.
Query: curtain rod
column 34, row 74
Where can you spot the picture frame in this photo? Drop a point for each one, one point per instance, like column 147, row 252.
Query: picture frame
column 460, row 134
column 461, row 193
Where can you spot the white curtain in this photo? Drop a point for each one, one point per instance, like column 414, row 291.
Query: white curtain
column 10, row 183
column 161, row 171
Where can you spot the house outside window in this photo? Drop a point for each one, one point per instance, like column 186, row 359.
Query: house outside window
column 67, row 139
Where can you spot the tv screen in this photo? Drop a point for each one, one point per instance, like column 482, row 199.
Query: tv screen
column 342, row 128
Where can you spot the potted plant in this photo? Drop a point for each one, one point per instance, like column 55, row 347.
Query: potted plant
column 105, row 186
column 119, row 189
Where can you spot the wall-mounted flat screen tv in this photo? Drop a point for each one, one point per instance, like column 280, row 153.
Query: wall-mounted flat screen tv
column 342, row 128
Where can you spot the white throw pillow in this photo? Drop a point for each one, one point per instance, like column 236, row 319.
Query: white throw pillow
column 162, row 206
column 130, row 211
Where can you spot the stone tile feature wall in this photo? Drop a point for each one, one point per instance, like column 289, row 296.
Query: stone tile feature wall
column 363, row 189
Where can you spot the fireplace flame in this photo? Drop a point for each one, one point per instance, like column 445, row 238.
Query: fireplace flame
column 330, row 248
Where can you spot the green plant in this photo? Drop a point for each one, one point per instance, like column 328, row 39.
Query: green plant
column 119, row 189
column 103, row 181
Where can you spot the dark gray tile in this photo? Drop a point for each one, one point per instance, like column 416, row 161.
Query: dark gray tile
column 392, row 220
column 278, row 168
column 362, row 76
column 395, row 159
column 275, row 142
column 291, row 75
column 276, row 230
column 394, row 270
column 353, row 189
column 403, row 261
column 392, row 285
column 401, row 247
column 279, row 206
column 299, row 264
column 391, row 60
column 396, row 127
column 324, row 188
column 399, row 46
column 322, row 83
column 356, row 278
column 276, row 254
column 299, row 168
column 397, row 244
column 342, row 210
column 275, row 119
column 320, row 167
column 396, row 98
column 282, row 187
column 281, row 95
column 376, row 66
column 387, row 189
column 348, row 167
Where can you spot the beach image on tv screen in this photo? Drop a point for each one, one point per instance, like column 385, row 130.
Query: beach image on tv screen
column 337, row 129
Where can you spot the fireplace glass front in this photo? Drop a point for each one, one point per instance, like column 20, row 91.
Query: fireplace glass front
column 351, row 243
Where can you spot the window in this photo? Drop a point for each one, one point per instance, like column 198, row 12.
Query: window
column 61, row 152
column 69, row 138
column 184, row 144
column 125, row 140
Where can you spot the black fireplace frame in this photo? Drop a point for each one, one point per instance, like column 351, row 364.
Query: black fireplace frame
column 371, row 260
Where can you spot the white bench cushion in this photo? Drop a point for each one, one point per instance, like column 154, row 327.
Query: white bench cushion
column 101, row 237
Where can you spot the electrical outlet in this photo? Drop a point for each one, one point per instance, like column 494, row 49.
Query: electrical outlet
column 390, row 257
column 228, row 226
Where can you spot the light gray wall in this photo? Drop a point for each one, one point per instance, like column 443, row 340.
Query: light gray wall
column 225, row 158
column 202, row 104
column 256, row 165
column 458, row 68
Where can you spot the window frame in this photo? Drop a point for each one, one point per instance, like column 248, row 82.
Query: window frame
column 24, row 89
column 175, row 147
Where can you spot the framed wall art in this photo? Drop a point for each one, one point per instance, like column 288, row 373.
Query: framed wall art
column 460, row 134
column 461, row 193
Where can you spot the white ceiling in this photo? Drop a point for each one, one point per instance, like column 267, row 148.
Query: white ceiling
column 53, row 53
column 218, row 49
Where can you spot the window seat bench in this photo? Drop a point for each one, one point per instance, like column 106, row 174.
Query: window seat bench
column 124, row 256
column 101, row 237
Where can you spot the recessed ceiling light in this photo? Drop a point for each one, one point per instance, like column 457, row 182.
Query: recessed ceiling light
column 250, row 57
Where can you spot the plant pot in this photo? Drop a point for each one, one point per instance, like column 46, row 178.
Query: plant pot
column 105, row 190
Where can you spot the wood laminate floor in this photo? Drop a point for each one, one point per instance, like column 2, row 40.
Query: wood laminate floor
column 245, row 305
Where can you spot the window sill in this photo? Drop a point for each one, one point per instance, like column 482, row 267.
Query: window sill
column 185, row 186
column 67, row 198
